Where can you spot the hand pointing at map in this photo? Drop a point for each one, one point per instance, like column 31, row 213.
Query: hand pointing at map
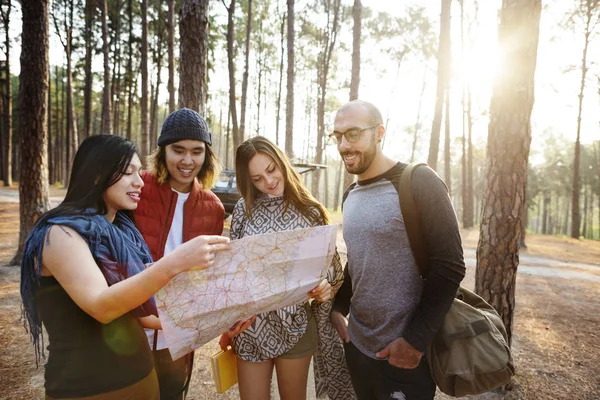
column 198, row 253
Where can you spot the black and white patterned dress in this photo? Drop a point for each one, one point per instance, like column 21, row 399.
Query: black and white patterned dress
column 276, row 332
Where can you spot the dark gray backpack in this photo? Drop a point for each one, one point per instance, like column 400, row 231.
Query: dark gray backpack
column 469, row 354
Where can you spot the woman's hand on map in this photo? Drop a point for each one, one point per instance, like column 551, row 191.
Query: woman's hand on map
column 197, row 253
column 235, row 330
column 323, row 292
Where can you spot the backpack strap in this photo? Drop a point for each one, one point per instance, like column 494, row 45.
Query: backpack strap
column 411, row 218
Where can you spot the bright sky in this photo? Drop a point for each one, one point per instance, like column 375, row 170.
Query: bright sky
column 398, row 97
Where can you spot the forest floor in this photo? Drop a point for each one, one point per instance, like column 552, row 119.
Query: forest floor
column 556, row 338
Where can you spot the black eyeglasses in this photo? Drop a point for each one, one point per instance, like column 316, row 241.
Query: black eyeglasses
column 351, row 135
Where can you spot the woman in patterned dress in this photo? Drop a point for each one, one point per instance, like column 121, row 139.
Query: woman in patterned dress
column 274, row 199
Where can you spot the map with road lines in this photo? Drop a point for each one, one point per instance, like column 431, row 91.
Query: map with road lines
column 258, row 274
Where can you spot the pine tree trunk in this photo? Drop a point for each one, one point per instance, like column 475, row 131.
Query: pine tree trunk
column 193, row 27
column 332, row 11
column 278, row 117
column 470, row 206
column 289, row 103
column 144, row 140
column 230, row 66
column 509, row 139
column 584, row 232
column 7, row 103
column 171, row 54
column 355, row 77
column 447, row 171
column 33, row 115
column 106, row 126
column 88, row 35
column 442, row 79
column 154, row 109
column 116, row 75
column 71, row 124
column 130, row 86
column 245, row 75
column 575, row 212
column 50, row 149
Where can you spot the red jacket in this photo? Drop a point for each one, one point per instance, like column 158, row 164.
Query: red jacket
column 203, row 214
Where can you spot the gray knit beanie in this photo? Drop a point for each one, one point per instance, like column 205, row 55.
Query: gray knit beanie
column 184, row 124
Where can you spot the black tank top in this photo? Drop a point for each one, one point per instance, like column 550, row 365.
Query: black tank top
column 87, row 357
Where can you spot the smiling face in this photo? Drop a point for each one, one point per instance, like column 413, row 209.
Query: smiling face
column 125, row 193
column 184, row 159
column 358, row 156
column 266, row 175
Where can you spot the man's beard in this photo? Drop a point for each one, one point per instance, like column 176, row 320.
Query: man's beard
column 364, row 159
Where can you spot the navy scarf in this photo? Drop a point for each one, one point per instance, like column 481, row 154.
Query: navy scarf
column 118, row 248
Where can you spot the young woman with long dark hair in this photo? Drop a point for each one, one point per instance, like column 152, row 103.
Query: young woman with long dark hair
column 87, row 275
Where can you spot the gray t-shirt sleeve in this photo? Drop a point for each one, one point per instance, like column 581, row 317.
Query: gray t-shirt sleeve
column 441, row 236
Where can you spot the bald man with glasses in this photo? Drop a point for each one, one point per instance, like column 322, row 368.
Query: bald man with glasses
column 385, row 312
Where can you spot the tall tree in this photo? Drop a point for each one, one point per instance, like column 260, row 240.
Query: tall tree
column 509, row 138
column 278, row 114
column 88, row 35
column 157, row 57
column 193, row 28
column 144, row 140
column 106, row 125
column 329, row 34
column 355, row 77
column 115, row 17
column 245, row 75
column 33, row 118
column 171, row 54
column 6, row 99
column 237, row 140
column 67, row 8
column 130, row 74
column 289, row 103
column 588, row 9
column 447, row 159
column 443, row 75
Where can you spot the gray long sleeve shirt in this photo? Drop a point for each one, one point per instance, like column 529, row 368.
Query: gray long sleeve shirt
column 383, row 291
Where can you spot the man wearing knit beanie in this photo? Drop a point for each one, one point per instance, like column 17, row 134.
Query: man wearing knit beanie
column 177, row 205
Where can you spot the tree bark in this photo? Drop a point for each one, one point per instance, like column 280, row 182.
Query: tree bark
column 71, row 124
column 193, row 27
column 171, row 54
column 470, row 207
column 7, row 102
column 116, row 75
column 33, row 118
column 509, row 139
column 447, row 160
column 231, row 68
column 329, row 35
column 130, row 86
column 442, row 79
column 106, row 126
column 158, row 57
column 289, row 103
column 144, row 140
column 88, row 34
column 245, row 75
column 355, row 77
column 590, row 11
column 278, row 117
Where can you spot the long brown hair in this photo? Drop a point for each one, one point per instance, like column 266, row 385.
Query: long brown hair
column 294, row 191
column 208, row 173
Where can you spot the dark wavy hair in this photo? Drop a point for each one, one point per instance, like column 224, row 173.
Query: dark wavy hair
column 99, row 163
